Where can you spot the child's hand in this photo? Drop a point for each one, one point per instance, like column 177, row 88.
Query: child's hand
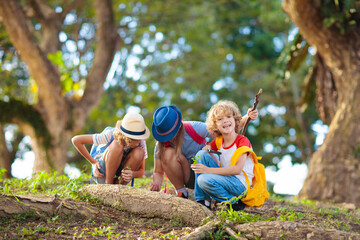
column 253, row 114
column 126, row 175
column 199, row 168
column 206, row 147
column 96, row 171
column 155, row 187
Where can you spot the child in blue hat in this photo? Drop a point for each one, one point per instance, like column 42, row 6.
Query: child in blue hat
column 175, row 148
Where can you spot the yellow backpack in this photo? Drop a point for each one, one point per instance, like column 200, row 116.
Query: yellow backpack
column 256, row 193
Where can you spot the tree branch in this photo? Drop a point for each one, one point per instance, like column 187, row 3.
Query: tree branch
column 105, row 50
column 253, row 108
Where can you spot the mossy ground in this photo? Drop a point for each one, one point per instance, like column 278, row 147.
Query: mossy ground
column 111, row 223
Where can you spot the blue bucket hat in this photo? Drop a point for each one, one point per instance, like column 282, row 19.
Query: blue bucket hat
column 166, row 123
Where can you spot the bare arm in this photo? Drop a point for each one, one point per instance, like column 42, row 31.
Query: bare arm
column 79, row 142
column 158, row 176
column 252, row 114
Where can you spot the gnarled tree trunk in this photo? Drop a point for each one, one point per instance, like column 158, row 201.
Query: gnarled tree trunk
column 61, row 116
column 334, row 170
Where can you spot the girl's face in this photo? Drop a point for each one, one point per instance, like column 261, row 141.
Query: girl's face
column 134, row 143
column 225, row 123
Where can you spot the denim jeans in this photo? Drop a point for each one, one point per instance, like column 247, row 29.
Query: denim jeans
column 102, row 170
column 219, row 187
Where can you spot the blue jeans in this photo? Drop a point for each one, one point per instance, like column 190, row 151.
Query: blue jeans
column 219, row 187
column 102, row 170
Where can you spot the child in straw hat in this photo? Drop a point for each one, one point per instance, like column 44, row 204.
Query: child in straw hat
column 118, row 151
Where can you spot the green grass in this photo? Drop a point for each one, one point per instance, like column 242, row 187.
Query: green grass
column 302, row 211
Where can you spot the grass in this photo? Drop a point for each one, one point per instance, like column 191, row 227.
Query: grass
column 31, row 226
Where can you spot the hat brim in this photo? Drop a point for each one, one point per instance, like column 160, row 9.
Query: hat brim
column 171, row 135
column 144, row 136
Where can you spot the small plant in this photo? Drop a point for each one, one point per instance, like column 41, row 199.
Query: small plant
column 176, row 221
column 195, row 159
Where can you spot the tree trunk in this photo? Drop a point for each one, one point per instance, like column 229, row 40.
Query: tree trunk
column 62, row 117
column 334, row 170
column 5, row 159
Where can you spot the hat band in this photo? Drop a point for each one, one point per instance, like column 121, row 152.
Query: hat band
column 132, row 132
column 171, row 129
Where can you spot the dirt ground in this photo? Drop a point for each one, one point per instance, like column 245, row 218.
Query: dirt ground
column 110, row 223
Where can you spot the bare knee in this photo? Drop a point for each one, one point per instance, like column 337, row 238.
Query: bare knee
column 168, row 156
column 135, row 158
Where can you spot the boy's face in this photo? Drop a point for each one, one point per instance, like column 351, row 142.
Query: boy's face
column 225, row 123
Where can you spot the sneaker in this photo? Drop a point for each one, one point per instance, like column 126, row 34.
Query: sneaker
column 180, row 194
column 202, row 202
column 238, row 206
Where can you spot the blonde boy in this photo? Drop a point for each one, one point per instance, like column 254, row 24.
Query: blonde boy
column 217, row 178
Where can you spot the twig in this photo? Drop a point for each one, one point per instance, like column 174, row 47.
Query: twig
column 253, row 108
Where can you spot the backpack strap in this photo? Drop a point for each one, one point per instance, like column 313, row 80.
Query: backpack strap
column 193, row 134
column 238, row 152
column 218, row 142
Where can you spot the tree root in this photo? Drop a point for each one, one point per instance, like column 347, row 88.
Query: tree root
column 149, row 204
column 202, row 231
column 289, row 230
column 43, row 205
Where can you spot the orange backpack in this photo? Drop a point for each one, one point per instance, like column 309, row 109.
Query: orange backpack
column 256, row 193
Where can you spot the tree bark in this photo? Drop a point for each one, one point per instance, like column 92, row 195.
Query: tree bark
column 289, row 230
column 43, row 205
column 334, row 170
column 63, row 117
column 5, row 160
column 150, row 204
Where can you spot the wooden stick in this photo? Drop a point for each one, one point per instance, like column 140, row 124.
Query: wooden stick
column 253, row 108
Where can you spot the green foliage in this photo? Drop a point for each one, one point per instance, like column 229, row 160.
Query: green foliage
column 16, row 109
column 67, row 83
column 342, row 14
column 206, row 52
column 220, row 233
column 45, row 183
column 2, row 173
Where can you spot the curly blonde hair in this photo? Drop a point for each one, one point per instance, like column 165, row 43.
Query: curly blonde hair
column 122, row 139
column 222, row 108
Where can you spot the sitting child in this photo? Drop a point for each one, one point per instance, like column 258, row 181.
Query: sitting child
column 124, row 157
column 222, row 179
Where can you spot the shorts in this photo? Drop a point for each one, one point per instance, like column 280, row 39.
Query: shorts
column 100, row 159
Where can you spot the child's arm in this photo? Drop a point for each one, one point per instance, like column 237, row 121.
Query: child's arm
column 158, row 176
column 232, row 170
column 253, row 115
column 79, row 142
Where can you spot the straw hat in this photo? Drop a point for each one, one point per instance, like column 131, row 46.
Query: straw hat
column 166, row 124
column 133, row 126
